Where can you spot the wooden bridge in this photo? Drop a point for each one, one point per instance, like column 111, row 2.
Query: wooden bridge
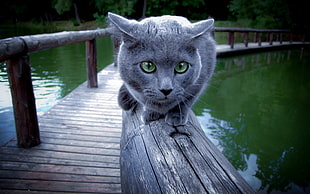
column 77, row 142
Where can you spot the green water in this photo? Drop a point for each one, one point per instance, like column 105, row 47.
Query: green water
column 257, row 111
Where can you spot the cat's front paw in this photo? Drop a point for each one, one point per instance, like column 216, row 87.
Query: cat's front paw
column 125, row 100
column 176, row 118
column 149, row 116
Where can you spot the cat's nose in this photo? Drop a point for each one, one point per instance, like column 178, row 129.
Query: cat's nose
column 166, row 92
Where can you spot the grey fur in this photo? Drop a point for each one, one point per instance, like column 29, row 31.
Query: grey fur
column 164, row 41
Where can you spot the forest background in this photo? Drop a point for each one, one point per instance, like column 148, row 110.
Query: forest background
column 279, row 14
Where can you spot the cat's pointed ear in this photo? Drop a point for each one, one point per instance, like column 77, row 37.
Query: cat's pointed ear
column 124, row 25
column 201, row 27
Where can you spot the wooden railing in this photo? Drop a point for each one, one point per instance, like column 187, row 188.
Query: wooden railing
column 271, row 35
column 15, row 51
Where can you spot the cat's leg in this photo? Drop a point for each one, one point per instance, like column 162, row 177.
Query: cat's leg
column 178, row 115
column 149, row 115
column 125, row 100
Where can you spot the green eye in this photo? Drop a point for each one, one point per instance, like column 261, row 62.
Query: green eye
column 181, row 67
column 148, row 67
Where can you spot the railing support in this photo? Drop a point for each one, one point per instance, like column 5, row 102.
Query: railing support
column 26, row 121
column 270, row 38
column 91, row 63
column 260, row 39
column 246, row 39
column 231, row 39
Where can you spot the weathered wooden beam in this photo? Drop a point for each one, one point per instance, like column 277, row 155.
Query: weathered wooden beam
column 34, row 43
column 159, row 158
column 91, row 63
column 26, row 122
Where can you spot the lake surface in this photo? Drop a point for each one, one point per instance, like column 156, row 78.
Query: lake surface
column 256, row 109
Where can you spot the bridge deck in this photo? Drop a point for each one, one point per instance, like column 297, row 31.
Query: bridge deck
column 80, row 145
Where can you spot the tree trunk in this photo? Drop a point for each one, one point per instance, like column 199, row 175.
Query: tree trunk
column 77, row 17
column 144, row 8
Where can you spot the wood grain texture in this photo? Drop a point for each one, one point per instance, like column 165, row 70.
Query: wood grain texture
column 158, row 158
column 25, row 113
column 80, row 145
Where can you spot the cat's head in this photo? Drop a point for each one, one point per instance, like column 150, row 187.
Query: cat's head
column 159, row 58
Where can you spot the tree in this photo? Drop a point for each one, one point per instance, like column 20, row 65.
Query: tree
column 62, row 6
column 271, row 13
column 122, row 7
column 194, row 9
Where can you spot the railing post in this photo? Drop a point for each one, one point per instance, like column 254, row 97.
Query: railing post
column 303, row 37
column 26, row 121
column 260, row 39
column 255, row 37
column 231, row 39
column 270, row 38
column 291, row 37
column 116, row 45
column 91, row 63
column 246, row 39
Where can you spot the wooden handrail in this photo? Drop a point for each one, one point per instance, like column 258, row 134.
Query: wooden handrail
column 34, row 43
column 159, row 158
column 236, row 29
column 257, row 35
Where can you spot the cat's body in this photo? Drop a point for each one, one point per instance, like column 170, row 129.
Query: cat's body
column 165, row 62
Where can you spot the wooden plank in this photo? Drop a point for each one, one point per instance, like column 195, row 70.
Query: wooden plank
column 30, row 175
column 53, row 168
column 111, row 131
column 164, row 159
column 83, row 131
column 7, row 157
column 80, row 147
column 59, row 186
column 67, row 155
column 79, row 123
column 25, row 113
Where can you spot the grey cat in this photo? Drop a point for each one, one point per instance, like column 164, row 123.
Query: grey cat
column 165, row 63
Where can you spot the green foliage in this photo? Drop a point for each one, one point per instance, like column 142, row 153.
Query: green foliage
column 288, row 14
column 122, row 7
column 189, row 9
column 62, row 6
column 261, row 13
column 100, row 18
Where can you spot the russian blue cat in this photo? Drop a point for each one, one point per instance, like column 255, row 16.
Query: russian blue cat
column 165, row 62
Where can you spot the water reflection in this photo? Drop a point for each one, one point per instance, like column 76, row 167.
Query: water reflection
column 256, row 110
